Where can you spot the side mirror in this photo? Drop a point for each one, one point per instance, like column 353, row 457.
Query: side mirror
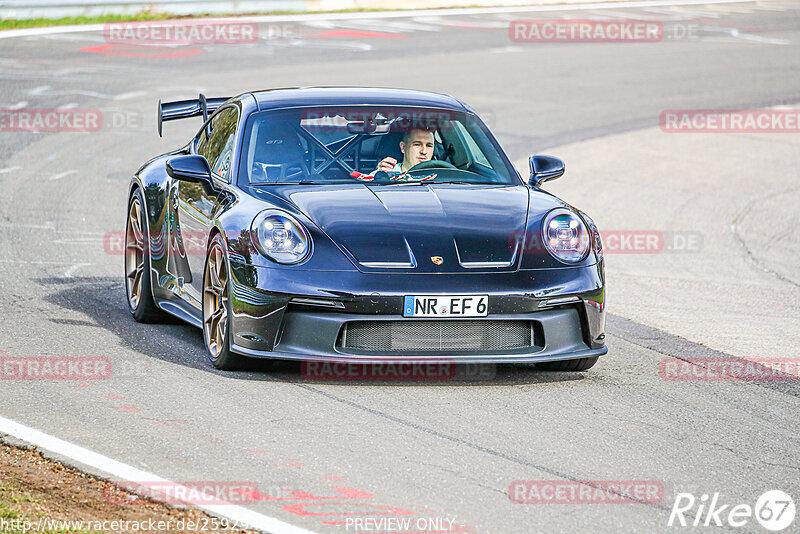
column 193, row 169
column 544, row 168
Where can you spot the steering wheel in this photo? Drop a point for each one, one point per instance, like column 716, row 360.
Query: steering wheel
column 432, row 164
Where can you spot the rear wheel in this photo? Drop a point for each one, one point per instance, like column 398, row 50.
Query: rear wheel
column 216, row 308
column 581, row 364
column 137, row 264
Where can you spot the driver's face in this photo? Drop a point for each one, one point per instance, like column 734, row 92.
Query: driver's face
column 418, row 149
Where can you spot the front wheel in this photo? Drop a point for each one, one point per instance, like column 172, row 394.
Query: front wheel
column 216, row 307
column 580, row 364
column 137, row 264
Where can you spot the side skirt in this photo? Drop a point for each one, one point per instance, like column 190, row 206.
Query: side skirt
column 182, row 311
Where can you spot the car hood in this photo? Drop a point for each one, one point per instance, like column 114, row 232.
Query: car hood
column 431, row 228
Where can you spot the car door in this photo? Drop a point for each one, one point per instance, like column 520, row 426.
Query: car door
column 197, row 207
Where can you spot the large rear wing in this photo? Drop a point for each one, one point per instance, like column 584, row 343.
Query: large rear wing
column 183, row 109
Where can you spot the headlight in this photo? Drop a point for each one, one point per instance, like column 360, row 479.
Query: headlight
column 565, row 236
column 280, row 237
column 597, row 242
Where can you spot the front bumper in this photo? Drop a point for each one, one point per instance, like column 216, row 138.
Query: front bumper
column 300, row 315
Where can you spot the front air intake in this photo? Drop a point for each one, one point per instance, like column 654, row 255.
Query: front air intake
column 436, row 336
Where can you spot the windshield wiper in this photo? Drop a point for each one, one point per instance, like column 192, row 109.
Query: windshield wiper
column 431, row 182
column 301, row 182
column 410, row 182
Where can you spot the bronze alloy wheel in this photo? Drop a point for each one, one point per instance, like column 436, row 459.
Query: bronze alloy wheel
column 138, row 289
column 215, row 301
column 134, row 254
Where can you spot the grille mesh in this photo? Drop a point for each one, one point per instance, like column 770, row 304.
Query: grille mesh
column 432, row 336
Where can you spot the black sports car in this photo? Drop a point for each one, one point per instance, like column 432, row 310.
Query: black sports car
column 361, row 224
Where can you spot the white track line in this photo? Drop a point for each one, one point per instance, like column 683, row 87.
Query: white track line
column 63, row 175
column 18, row 105
column 132, row 474
column 6, row 34
column 46, row 90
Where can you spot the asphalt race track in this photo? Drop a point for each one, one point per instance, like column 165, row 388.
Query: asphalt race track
column 724, row 283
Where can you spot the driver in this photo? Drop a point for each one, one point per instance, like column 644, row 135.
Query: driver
column 416, row 146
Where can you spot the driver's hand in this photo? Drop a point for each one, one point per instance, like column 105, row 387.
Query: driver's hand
column 386, row 164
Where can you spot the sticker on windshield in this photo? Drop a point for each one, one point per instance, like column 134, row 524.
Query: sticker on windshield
column 404, row 177
column 361, row 176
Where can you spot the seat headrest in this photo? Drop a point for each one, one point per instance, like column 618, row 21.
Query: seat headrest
column 277, row 143
column 390, row 146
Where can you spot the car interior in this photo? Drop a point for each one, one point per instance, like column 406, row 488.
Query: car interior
column 290, row 150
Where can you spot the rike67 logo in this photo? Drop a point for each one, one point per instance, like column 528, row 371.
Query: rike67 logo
column 774, row 510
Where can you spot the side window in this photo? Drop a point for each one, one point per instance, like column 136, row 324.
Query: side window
column 218, row 149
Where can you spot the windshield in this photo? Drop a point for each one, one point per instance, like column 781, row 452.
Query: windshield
column 375, row 145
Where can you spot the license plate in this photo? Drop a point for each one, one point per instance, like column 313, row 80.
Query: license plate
column 446, row 306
